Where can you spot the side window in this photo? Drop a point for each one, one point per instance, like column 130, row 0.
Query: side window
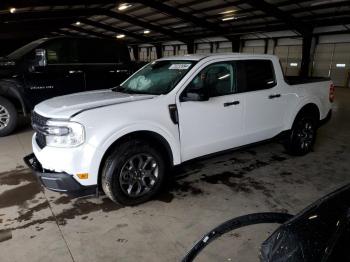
column 98, row 51
column 256, row 75
column 61, row 51
column 219, row 79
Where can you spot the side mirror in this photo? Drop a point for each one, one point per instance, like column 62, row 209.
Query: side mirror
column 40, row 58
column 195, row 95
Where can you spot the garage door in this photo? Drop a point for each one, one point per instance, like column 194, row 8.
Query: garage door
column 290, row 57
column 332, row 60
column 203, row 48
column 148, row 54
column 253, row 49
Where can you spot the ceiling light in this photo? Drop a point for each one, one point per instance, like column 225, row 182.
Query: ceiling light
column 120, row 36
column 228, row 18
column 77, row 23
column 227, row 12
column 340, row 65
column 12, row 10
column 124, row 6
column 146, row 31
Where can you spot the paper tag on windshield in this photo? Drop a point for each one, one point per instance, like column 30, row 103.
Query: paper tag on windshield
column 180, row 66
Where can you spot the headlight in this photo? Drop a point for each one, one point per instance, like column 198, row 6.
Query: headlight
column 64, row 134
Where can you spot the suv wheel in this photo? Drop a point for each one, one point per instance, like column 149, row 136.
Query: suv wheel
column 302, row 136
column 8, row 117
column 133, row 173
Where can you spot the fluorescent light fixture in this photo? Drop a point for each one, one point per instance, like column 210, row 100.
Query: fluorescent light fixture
column 227, row 12
column 120, row 36
column 340, row 65
column 146, row 31
column 325, row 2
column 124, row 6
column 228, row 18
column 12, row 10
column 293, row 64
column 77, row 23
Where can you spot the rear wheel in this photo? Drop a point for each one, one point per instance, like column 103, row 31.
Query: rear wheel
column 133, row 173
column 302, row 136
column 8, row 117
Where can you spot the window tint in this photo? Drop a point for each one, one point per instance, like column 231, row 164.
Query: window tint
column 255, row 75
column 61, row 51
column 218, row 78
column 102, row 51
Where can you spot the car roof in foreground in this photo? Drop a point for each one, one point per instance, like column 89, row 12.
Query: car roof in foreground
column 198, row 57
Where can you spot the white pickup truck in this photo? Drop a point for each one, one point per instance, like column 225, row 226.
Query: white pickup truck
column 123, row 140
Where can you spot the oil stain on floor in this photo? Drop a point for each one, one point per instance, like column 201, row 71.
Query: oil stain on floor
column 24, row 192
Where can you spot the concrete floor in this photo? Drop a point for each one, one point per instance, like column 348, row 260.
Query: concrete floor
column 39, row 225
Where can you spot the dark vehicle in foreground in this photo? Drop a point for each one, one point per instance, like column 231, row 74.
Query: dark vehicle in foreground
column 51, row 67
column 320, row 233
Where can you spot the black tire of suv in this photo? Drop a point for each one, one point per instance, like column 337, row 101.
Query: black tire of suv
column 13, row 117
column 293, row 142
column 110, row 177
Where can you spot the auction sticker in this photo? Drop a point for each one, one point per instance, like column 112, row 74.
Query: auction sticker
column 180, row 66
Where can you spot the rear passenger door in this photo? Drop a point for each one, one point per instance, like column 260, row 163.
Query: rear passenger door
column 105, row 63
column 265, row 105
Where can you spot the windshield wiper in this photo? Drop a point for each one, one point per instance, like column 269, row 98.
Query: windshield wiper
column 118, row 88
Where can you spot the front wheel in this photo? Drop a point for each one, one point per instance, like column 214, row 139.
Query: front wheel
column 133, row 173
column 302, row 136
column 8, row 117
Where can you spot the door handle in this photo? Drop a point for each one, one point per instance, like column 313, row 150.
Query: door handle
column 231, row 103
column 274, row 96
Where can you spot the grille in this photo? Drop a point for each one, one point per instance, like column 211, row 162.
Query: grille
column 37, row 122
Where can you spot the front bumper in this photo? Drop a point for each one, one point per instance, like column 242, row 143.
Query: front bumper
column 55, row 181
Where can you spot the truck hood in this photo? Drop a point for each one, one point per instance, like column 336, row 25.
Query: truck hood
column 64, row 107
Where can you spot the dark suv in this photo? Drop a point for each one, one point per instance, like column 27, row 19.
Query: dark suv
column 57, row 66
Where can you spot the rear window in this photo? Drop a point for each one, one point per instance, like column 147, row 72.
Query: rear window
column 255, row 75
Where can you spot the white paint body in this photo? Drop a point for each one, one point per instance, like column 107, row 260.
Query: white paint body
column 204, row 127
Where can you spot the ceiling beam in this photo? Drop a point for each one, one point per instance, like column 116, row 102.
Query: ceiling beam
column 116, row 30
column 50, row 14
column 31, row 3
column 90, row 32
column 145, row 25
column 288, row 19
column 174, row 12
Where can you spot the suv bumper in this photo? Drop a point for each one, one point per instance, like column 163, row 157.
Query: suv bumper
column 59, row 182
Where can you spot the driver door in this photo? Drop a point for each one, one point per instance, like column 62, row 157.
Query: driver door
column 215, row 123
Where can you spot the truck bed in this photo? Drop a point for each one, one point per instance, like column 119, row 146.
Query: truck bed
column 298, row 80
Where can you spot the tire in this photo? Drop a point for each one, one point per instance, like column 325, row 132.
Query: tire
column 302, row 137
column 122, row 168
column 8, row 117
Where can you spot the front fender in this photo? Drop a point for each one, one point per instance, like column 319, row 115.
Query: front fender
column 171, row 139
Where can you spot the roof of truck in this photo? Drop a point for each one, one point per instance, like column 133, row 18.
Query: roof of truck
column 197, row 57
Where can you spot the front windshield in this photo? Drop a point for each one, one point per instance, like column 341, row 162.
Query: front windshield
column 25, row 49
column 157, row 78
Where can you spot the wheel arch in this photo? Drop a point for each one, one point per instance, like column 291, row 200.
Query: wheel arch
column 309, row 108
column 151, row 136
column 10, row 91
